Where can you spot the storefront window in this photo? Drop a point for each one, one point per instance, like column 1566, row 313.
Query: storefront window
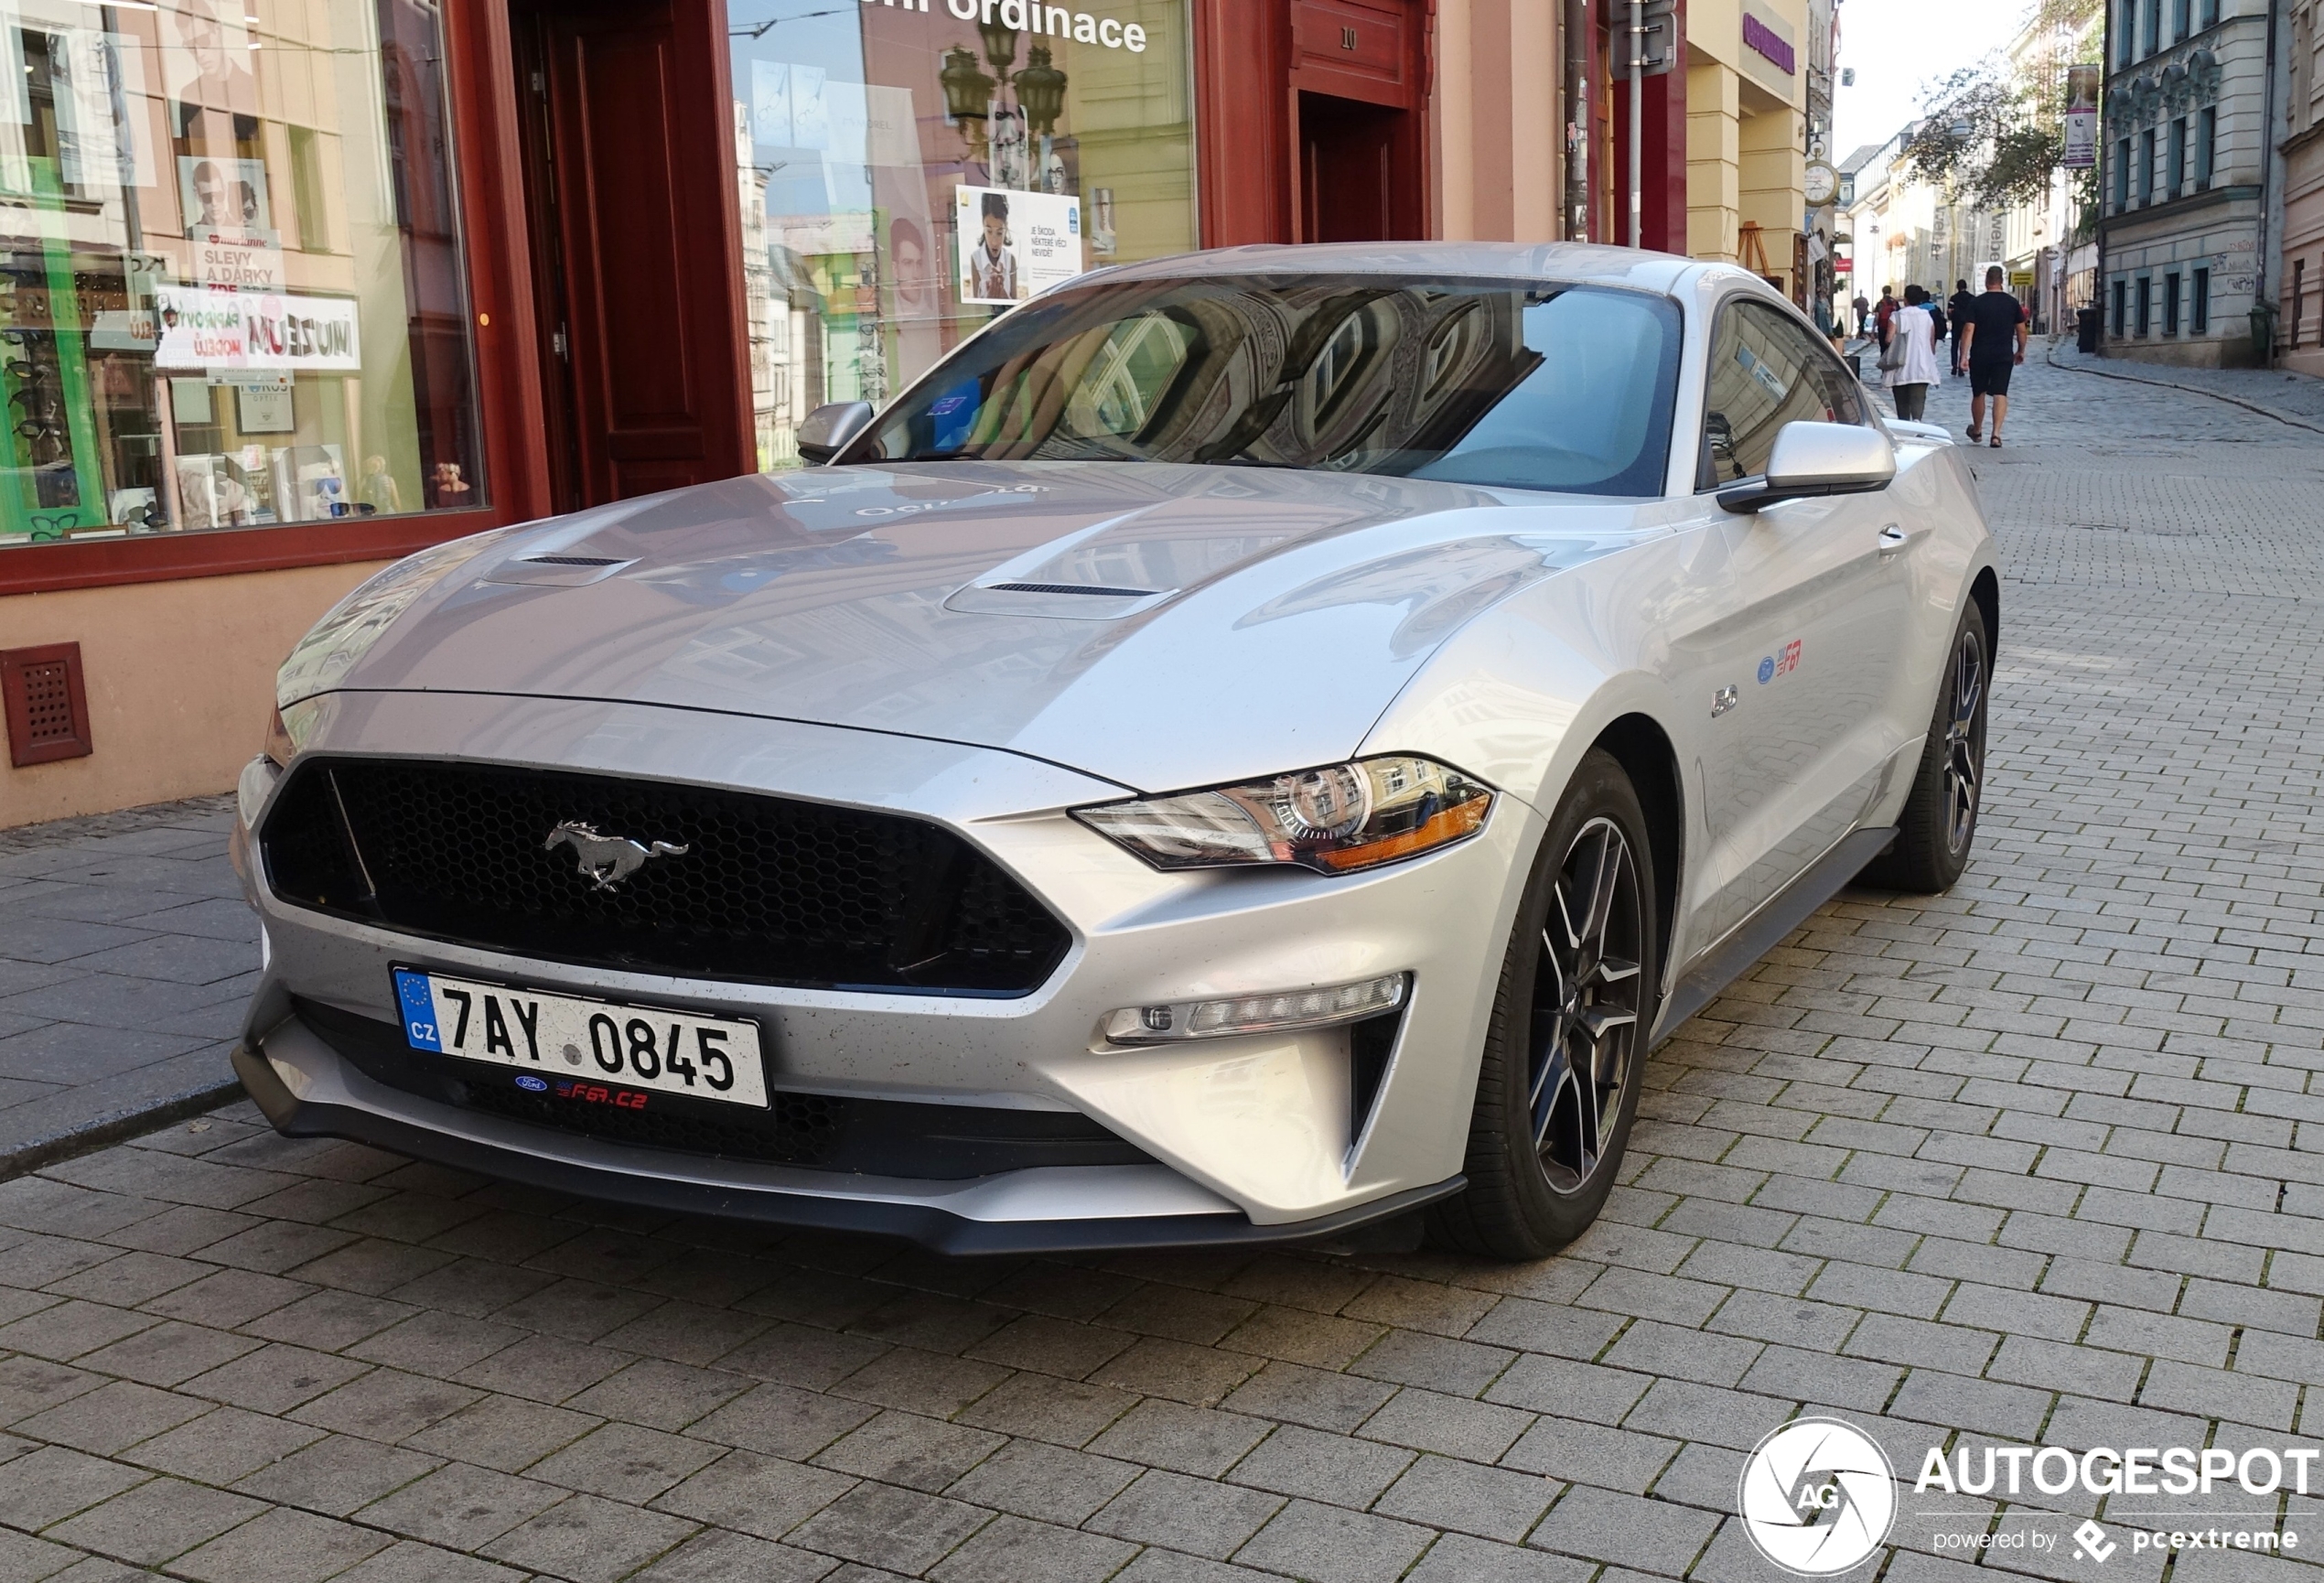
column 910, row 169
column 230, row 284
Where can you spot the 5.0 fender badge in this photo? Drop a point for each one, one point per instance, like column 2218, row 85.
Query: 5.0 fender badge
column 607, row 860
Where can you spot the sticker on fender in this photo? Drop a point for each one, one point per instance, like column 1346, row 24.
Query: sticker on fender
column 566, row 1037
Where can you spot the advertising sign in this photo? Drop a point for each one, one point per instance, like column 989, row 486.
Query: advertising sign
column 205, row 328
column 1013, row 244
column 2081, row 117
column 246, row 261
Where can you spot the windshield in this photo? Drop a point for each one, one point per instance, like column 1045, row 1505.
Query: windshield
column 1524, row 385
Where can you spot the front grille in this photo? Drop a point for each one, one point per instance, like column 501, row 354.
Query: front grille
column 820, row 1132
column 766, row 890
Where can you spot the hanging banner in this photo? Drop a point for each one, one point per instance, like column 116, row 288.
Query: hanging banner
column 209, row 329
column 1013, row 244
column 2081, row 117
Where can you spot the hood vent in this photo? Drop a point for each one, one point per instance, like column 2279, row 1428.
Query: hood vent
column 573, row 561
column 1088, row 588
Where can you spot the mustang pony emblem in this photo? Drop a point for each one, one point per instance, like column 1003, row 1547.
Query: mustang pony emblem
column 606, row 859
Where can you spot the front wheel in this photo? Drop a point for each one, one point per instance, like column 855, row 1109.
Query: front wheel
column 1557, row 1086
column 1939, row 820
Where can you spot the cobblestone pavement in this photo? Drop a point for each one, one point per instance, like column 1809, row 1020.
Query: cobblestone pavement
column 2291, row 398
column 2035, row 1160
column 127, row 954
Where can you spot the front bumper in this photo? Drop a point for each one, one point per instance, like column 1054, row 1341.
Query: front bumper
column 1254, row 1137
column 306, row 1090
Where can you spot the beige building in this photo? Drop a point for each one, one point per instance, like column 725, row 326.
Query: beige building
column 1746, row 134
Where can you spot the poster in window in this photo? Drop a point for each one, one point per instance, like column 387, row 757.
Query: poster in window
column 223, row 194
column 1015, row 244
column 205, row 56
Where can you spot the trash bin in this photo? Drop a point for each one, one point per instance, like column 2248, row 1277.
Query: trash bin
column 2086, row 329
column 1855, row 365
column 2263, row 335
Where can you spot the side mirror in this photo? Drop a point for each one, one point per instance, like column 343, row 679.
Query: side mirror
column 1811, row 460
column 829, row 427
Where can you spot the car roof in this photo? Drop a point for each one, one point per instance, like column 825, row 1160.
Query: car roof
column 1574, row 262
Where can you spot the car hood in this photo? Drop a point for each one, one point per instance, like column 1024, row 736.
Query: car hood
column 1158, row 625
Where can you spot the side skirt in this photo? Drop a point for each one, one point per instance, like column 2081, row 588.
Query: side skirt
column 1764, row 929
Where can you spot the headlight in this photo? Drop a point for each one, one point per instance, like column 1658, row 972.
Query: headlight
column 279, row 747
column 1335, row 820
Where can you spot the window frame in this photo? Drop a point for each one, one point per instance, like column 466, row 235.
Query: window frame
column 2199, row 302
column 2143, row 296
column 2171, row 284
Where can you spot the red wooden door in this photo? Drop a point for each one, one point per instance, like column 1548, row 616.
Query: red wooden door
column 643, row 315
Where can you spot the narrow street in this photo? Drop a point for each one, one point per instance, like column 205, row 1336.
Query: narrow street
column 2037, row 1160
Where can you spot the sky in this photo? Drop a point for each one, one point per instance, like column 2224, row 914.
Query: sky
column 1900, row 46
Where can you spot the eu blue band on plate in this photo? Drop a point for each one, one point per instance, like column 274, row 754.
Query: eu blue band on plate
column 419, row 1010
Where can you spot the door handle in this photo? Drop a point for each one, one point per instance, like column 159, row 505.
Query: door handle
column 1892, row 539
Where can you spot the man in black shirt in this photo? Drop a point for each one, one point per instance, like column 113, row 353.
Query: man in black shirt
column 1993, row 341
column 1962, row 299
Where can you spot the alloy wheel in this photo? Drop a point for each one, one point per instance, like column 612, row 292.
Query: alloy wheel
column 1965, row 742
column 1587, row 989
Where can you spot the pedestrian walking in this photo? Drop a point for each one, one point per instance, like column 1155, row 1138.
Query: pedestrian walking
column 1863, row 313
column 1992, row 343
column 1909, row 365
column 1962, row 300
column 1935, row 311
column 1882, row 312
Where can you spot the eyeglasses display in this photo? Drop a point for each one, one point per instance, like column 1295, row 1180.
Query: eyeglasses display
column 909, row 171
column 231, row 290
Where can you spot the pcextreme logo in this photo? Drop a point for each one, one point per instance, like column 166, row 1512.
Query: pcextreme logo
column 1817, row 1497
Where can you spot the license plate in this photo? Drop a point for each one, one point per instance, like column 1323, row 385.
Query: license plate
column 557, row 1043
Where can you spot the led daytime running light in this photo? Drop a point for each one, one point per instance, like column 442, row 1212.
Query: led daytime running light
column 1278, row 1013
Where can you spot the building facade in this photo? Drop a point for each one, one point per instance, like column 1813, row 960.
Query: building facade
column 2187, row 155
column 291, row 290
column 2300, row 330
column 1747, row 69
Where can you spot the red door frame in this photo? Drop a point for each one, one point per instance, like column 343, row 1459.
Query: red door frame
column 1249, row 70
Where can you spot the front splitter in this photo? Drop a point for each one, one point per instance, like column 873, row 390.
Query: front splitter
column 931, row 1227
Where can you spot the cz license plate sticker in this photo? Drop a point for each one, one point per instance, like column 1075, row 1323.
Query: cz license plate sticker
column 559, row 1040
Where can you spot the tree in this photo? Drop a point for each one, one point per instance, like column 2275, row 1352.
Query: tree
column 1987, row 137
column 1993, row 132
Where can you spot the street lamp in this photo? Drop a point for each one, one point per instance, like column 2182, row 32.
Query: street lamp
column 968, row 93
column 1041, row 88
column 1000, row 43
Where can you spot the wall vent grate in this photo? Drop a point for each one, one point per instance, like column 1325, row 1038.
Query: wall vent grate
column 46, row 704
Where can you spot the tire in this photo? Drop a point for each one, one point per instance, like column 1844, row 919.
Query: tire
column 1556, row 1089
column 1939, row 824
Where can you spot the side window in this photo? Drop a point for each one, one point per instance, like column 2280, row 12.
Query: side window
column 1765, row 371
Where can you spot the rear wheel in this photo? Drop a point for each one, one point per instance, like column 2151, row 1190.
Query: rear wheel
column 1557, row 1086
column 1939, row 820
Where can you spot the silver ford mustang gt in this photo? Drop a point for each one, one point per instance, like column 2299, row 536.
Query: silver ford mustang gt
column 1251, row 745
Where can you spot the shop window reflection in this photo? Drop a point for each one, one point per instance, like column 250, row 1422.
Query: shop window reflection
column 858, row 130
column 231, row 290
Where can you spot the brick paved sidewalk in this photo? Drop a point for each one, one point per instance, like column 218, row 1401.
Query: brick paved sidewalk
column 2292, row 398
column 127, row 954
column 2039, row 1159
